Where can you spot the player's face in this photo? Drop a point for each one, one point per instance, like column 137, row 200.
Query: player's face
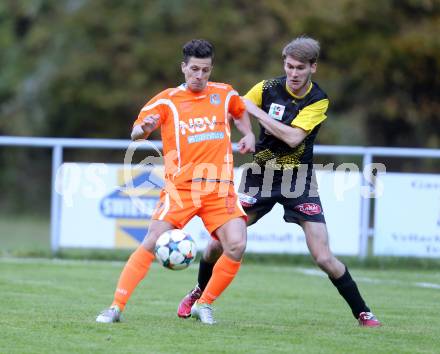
column 298, row 75
column 197, row 72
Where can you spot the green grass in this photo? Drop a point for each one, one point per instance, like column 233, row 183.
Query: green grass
column 28, row 235
column 50, row 307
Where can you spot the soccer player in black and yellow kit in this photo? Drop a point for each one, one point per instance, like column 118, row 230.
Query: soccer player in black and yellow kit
column 290, row 110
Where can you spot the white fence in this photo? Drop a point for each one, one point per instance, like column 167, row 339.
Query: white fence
column 59, row 144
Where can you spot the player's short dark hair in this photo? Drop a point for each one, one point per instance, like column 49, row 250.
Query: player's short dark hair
column 303, row 48
column 198, row 48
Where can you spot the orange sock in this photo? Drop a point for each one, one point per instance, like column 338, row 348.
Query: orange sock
column 134, row 271
column 223, row 272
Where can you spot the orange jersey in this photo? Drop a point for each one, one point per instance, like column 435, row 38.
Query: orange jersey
column 195, row 131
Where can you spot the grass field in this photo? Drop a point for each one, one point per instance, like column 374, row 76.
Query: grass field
column 50, row 307
column 24, row 235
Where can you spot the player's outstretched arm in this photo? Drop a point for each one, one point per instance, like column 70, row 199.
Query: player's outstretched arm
column 247, row 142
column 292, row 136
column 143, row 131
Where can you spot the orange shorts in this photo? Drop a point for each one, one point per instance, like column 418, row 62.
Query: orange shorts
column 215, row 203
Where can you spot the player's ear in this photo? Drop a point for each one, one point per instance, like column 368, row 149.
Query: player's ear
column 183, row 66
column 313, row 67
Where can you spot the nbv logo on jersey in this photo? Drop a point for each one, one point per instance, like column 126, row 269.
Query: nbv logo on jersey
column 200, row 125
column 276, row 111
column 197, row 125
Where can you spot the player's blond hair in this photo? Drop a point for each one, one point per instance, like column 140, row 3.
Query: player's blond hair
column 303, row 48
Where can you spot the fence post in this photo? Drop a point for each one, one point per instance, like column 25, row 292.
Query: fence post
column 55, row 210
column 365, row 207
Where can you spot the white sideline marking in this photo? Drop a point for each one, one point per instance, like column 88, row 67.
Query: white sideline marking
column 306, row 271
column 316, row 272
column 428, row 285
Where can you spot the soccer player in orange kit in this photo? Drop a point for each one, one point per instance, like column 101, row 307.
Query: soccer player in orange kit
column 195, row 132
column 290, row 110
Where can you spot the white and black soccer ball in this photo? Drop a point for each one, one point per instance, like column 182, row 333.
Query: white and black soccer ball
column 175, row 249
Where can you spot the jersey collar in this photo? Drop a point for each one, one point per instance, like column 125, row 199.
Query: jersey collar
column 184, row 87
column 296, row 96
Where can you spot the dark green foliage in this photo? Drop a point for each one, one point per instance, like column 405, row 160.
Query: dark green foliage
column 84, row 68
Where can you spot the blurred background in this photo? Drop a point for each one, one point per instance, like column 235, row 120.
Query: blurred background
column 84, row 68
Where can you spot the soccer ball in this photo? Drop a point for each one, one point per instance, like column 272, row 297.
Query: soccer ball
column 175, row 249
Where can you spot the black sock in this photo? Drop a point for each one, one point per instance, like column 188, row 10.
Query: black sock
column 350, row 292
column 205, row 272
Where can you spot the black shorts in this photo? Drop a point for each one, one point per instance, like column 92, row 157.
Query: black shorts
column 296, row 192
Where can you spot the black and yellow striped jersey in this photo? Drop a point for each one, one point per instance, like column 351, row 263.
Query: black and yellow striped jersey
column 306, row 112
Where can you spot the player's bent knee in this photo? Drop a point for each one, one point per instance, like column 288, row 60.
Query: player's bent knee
column 149, row 241
column 324, row 261
column 235, row 249
column 156, row 229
